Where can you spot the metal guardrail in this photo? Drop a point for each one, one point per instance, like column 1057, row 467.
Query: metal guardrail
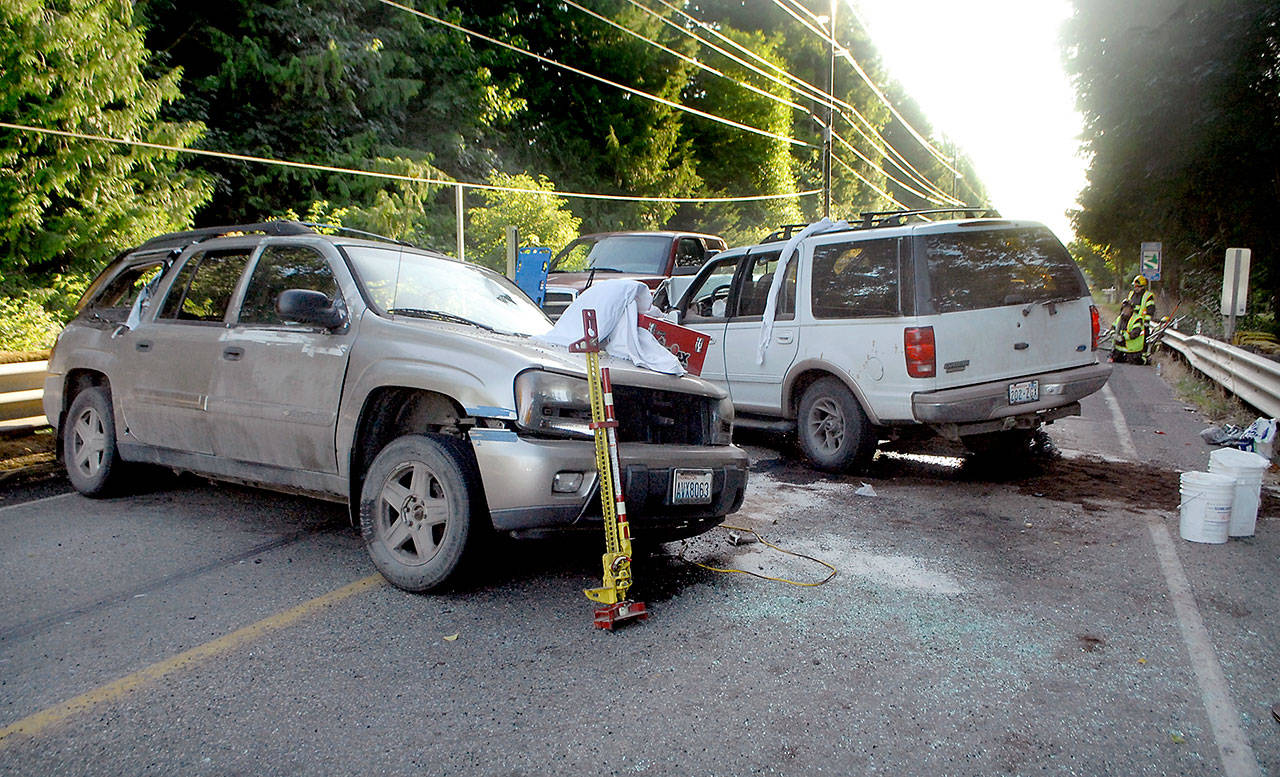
column 1253, row 378
column 21, row 392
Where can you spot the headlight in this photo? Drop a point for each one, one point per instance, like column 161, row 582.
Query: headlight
column 722, row 423
column 549, row 403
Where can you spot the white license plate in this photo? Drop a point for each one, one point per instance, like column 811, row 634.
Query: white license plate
column 1026, row 391
column 691, row 487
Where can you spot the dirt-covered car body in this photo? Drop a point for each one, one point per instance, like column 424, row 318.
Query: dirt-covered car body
column 293, row 360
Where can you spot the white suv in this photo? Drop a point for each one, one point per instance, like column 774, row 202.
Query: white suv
column 978, row 330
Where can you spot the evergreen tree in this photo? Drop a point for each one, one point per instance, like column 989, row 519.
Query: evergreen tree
column 68, row 204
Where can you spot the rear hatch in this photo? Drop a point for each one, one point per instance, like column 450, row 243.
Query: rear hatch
column 1005, row 300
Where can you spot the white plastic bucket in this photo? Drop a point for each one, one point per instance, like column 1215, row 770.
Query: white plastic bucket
column 1246, row 470
column 1206, row 506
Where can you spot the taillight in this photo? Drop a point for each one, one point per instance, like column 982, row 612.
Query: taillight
column 1095, row 326
column 922, row 357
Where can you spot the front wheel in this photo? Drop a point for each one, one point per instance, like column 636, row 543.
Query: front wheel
column 89, row 444
column 834, row 433
column 416, row 510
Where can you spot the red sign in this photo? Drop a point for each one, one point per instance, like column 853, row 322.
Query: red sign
column 689, row 347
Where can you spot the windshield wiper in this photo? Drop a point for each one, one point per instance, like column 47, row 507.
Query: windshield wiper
column 437, row 315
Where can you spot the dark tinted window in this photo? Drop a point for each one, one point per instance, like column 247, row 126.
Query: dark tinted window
column 755, row 287
column 970, row 270
column 280, row 268
column 855, row 280
column 689, row 252
column 204, row 286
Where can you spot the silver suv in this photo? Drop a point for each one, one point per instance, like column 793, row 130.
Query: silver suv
column 399, row 381
column 976, row 329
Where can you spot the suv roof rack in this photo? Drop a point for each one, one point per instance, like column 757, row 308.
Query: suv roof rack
column 883, row 218
column 206, row 233
column 356, row 233
column 893, row 218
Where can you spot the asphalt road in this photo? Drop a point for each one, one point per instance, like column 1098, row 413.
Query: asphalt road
column 981, row 623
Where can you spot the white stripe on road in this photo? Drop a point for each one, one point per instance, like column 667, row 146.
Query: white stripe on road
column 1237, row 756
column 1122, row 428
column 37, row 501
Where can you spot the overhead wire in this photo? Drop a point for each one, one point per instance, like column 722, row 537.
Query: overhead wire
column 868, row 182
column 813, row 24
column 845, row 54
column 393, row 176
column 685, row 57
column 578, row 71
column 809, row 91
column 939, row 198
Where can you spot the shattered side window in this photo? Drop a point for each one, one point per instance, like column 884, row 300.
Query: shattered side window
column 857, row 279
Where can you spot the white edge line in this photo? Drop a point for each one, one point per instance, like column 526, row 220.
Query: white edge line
column 37, row 501
column 1237, row 756
column 1122, row 427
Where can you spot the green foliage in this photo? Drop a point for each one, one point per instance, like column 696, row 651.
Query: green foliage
column 1181, row 102
column 1102, row 264
column 25, row 325
column 67, row 204
column 541, row 220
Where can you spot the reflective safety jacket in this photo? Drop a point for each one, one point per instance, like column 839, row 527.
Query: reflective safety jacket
column 1131, row 335
column 1144, row 304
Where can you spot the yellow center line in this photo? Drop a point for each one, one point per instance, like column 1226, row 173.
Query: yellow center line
column 34, row 725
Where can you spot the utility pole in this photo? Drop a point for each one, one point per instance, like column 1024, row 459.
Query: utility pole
column 826, row 132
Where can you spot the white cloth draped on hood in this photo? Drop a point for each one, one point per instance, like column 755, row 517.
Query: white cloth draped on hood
column 617, row 304
column 780, row 273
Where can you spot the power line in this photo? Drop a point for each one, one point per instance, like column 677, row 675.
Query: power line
column 922, row 180
column 594, row 77
column 394, row 176
column 684, row 57
column 864, row 179
column 809, row 92
column 848, row 57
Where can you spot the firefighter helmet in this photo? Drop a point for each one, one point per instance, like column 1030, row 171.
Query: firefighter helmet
column 1140, row 280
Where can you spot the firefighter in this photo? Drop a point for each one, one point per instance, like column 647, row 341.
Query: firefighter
column 1142, row 299
column 1130, row 338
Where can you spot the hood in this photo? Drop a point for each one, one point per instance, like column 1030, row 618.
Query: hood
column 518, row 353
column 577, row 280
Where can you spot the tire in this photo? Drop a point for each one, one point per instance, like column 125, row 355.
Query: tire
column 419, row 508
column 834, row 434
column 89, row 449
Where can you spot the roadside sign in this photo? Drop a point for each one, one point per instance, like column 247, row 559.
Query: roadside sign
column 1235, row 281
column 1149, row 267
column 531, row 272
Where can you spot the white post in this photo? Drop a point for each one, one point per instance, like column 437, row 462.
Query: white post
column 513, row 242
column 457, row 206
column 1235, row 290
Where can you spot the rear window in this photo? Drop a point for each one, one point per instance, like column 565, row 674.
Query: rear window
column 113, row 293
column 991, row 268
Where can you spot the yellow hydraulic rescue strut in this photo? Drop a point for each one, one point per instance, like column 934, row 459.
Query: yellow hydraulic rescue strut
column 617, row 532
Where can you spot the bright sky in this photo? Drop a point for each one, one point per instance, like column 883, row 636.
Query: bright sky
column 988, row 73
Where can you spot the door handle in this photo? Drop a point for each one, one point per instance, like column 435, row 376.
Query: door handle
column 1021, row 346
column 784, row 339
column 143, row 345
column 232, row 353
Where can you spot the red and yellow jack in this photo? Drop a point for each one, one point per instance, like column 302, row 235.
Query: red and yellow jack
column 617, row 532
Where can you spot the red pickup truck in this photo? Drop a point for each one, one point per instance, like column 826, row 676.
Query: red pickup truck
column 643, row 256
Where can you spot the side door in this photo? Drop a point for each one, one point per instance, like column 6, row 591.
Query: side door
column 169, row 356
column 705, row 309
column 277, row 384
column 757, row 386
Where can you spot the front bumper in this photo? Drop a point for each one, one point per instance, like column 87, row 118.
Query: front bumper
column 987, row 402
column 518, row 473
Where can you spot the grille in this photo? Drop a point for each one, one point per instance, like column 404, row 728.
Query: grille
column 662, row 417
column 555, row 303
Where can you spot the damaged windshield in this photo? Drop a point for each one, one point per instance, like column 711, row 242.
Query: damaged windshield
column 405, row 282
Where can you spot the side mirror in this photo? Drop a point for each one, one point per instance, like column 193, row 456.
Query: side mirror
column 305, row 306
